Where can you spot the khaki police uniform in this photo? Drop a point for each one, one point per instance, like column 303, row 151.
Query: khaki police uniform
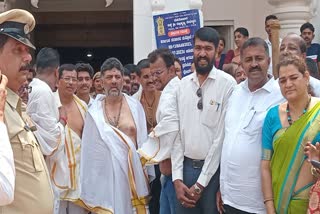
column 33, row 192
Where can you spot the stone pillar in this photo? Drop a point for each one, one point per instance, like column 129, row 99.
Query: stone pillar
column 292, row 14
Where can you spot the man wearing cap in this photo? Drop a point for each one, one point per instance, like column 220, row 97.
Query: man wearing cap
column 33, row 193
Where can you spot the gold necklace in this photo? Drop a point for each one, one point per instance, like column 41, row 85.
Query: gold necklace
column 115, row 121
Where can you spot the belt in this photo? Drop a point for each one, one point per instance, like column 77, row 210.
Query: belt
column 196, row 164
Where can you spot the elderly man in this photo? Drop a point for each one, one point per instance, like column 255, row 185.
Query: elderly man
column 112, row 176
column 7, row 172
column 202, row 99
column 33, row 193
column 76, row 110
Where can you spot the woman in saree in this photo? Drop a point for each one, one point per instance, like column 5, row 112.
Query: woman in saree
column 288, row 127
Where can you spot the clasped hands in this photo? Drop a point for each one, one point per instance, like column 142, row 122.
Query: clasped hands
column 188, row 197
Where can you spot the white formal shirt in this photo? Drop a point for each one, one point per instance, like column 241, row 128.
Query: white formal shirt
column 202, row 131
column 240, row 180
column 43, row 109
column 7, row 170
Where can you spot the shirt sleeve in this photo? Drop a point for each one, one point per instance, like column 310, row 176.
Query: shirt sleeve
column 42, row 109
column 267, row 134
column 7, row 170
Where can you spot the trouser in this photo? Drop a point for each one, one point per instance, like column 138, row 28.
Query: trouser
column 168, row 196
column 155, row 192
column 67, row 207
column 231, row 210
column 207, row 202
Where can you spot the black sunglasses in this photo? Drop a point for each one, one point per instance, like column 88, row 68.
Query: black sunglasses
column 199, row 94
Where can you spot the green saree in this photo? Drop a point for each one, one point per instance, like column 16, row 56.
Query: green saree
column 287, row 159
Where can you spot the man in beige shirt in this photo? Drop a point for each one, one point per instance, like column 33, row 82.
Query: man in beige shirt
column 33, row 193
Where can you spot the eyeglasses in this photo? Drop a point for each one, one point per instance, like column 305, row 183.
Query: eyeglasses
column 157, row 73
column 199, row 94
column 69, row 79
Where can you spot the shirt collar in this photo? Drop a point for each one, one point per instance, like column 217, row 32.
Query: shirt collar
column 268, row 86
column 14, row 100
column 212, row 75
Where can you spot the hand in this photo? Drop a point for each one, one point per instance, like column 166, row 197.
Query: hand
column 196, row 196
column 63, row 115
column 313, row 152
column 3, row 94
column 184, row 195
column 219, row 202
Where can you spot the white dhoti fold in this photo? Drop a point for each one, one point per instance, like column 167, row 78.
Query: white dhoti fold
column 64, row 165
column 112, row 177
column 160, row 141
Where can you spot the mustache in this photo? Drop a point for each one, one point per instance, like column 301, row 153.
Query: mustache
column 26, row 67
column 255, row 69
column 201, row 58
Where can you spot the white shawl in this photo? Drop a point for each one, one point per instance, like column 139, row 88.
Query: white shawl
column 111, row 172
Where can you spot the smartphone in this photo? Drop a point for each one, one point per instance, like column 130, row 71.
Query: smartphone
column 315, row 163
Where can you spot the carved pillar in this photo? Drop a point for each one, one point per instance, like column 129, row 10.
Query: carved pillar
column 293, row 13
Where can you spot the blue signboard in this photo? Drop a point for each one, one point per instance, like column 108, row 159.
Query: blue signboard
column 176, row 31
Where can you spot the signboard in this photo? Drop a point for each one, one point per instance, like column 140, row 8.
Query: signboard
column 176, row 31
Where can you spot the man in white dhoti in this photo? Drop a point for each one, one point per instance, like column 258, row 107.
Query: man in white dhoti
column 112, row 177
column 76, row 110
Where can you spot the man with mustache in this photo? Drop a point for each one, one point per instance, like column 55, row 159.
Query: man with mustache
column 112, row 176
column 202, row 99
column 85, row 73
column 33, row 193
column 240, row 180
column 149, row 99
column 76, row 110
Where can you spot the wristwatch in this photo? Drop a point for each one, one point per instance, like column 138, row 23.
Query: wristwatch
column 197, row 189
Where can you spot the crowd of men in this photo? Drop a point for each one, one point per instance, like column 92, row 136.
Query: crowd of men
column 136, row 138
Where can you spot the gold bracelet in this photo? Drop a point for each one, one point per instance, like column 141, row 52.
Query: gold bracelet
column 268, row 199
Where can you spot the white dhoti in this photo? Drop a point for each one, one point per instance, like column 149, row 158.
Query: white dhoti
column 112, row 177
column 65, row 168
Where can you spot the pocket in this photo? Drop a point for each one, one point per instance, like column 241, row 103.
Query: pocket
column 31, row 153
column 253, row 122
column 211, row 114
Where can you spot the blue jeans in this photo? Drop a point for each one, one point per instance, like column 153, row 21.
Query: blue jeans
column 207, row 201
column 168, row 196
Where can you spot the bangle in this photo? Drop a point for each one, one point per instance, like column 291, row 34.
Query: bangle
column 64, row 119
column 268, row 199
column 314, row 172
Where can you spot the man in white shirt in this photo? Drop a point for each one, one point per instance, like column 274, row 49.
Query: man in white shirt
column 240, row 180
column 7, row 171
column 44, row 110
column 202, row 99
column 267, row 25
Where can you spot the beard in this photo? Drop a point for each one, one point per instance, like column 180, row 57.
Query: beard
column 203, row 69
column 114, row 93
